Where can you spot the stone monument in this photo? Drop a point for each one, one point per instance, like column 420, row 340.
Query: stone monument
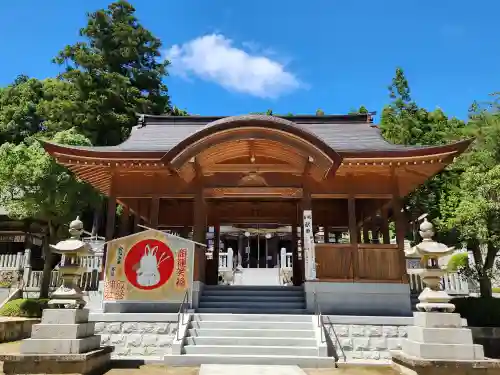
column 64, row 342
column 437, row 343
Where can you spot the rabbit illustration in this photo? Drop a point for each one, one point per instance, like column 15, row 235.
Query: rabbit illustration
column 148, row 273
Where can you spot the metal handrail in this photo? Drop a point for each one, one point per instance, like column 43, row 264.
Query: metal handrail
column 337, row 339
column 181, row 313
column 317, row 313
column 321, row 325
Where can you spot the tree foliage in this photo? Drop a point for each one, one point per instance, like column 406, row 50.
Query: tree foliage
column 34, row 186
column 117, row 72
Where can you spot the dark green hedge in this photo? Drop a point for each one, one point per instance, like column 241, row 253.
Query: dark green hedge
column 479, row 312
column 28, row 308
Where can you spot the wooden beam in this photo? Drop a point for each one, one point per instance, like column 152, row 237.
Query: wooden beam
column 258, row 168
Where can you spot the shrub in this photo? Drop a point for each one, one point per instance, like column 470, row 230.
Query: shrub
column 458, row 261
column 479, row 312
column 29, row 308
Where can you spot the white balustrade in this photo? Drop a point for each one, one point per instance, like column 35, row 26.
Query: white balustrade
column 226, row 259
column 452, row 283
column 285, row 259
column 10, row 262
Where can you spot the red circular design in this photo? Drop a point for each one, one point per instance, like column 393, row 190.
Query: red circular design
column 149, row 264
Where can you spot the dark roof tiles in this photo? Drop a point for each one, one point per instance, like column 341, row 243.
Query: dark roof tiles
column 342, row 133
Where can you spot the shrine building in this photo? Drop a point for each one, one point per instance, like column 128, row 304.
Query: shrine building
column 248, row 183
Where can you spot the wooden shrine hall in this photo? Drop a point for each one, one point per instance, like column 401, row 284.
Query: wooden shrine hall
column 196, row 172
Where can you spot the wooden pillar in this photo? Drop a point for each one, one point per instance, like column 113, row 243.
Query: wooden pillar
column 353, row 234
column 327, row 233
column 110, row 228
column 400, row 226
column 110, row 218
column 124, row 222
column 384, row 228
column 200, row 223
column 154, row 211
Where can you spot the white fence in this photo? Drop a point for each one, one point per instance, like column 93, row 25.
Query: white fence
column 31, row 280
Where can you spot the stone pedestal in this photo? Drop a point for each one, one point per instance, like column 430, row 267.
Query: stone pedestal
column 64, row 342
column 438, row 344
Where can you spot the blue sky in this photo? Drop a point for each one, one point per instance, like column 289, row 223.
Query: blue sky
column 233, row 57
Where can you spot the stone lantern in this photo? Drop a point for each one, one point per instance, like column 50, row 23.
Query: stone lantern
column 429, row 252
column 69, row 294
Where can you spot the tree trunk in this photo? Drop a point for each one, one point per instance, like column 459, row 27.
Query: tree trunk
column 485, row 286
column 47, row 265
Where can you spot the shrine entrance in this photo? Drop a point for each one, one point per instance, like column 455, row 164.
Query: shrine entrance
column 256, row 254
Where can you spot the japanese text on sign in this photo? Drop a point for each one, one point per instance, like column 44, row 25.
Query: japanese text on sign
column 308, row 246
column 114, row 290
column 180, row 281
column 119, row 256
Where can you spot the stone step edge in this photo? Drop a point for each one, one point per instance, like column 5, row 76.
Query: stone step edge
column 254, row 338
column 195, row 359
column 254, row 346
column 197, row 315
column 249, row 321
column 252, row 329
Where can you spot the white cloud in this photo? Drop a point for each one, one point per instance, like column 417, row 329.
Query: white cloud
column 214, row 58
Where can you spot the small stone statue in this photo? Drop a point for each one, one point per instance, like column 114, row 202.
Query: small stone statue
column 69, row 294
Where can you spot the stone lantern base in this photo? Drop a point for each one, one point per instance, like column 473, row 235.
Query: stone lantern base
column 437, row 344
column 64, row 342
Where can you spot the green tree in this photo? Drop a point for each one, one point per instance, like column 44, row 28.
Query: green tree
column 404, row 122
column 476, row 217
column 472, row 208
column 34, row 186
column 18, row 109
column 360, row 110
column 118, row 72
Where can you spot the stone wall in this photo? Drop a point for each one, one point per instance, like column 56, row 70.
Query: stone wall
column 136, row 335
column 365, row 338
column 366, row 341
column 13, row 329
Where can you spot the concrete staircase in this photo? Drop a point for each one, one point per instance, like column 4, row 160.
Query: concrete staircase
column 251, row 339
column 252, row 299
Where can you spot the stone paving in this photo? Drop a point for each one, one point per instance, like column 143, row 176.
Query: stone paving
column 13, row 347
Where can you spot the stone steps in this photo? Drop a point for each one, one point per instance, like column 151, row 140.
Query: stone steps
column 199, row 359
column 254, row 324
column 243, row 310
column 252, row 299
column 270, row 341
column 254, row 317
column 252, row 350
column 231, row 332
column 251, row 339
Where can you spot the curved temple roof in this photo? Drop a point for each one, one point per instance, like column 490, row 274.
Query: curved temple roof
column 348, row 135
